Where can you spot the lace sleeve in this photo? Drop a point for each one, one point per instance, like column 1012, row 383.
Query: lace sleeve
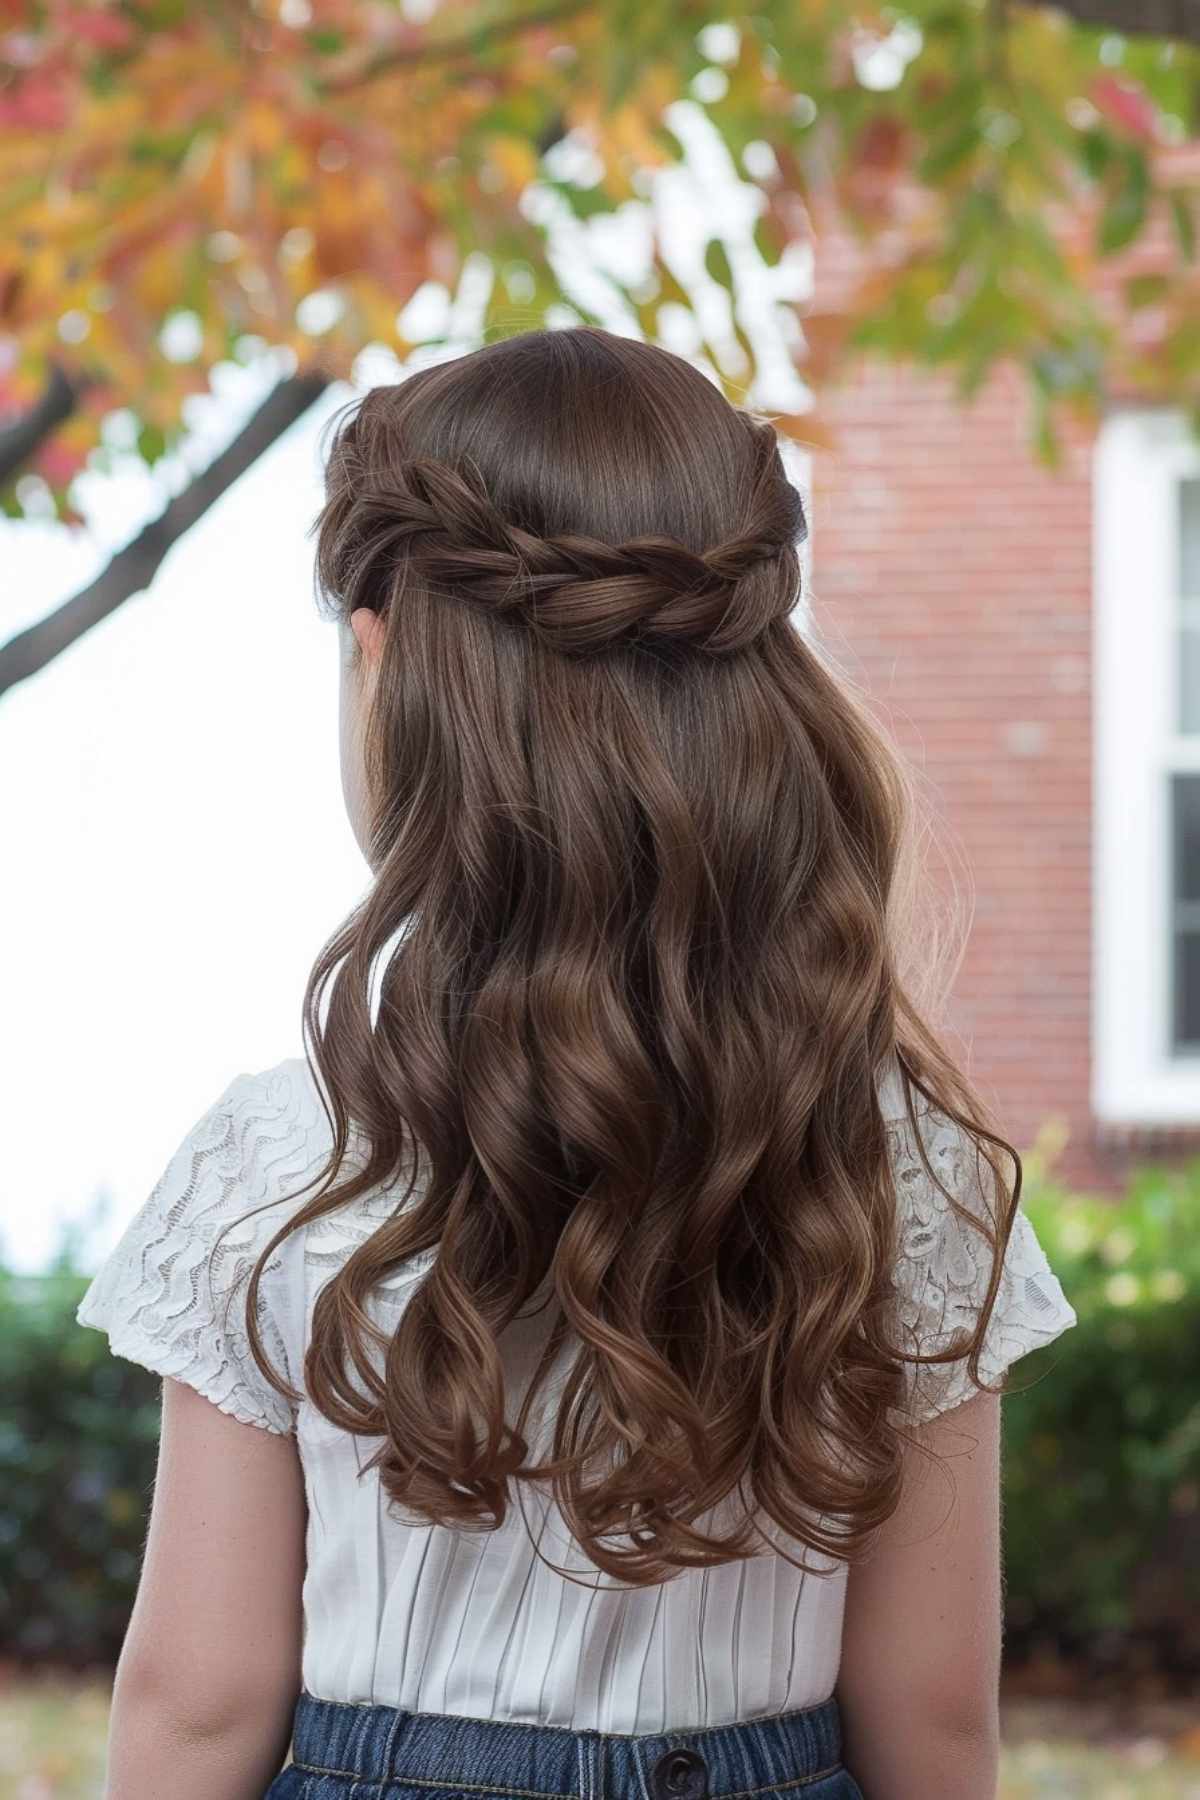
column 171, row 1294
column 945, row 1264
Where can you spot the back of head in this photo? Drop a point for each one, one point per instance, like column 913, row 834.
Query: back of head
column 634, row 934
column 634, row 503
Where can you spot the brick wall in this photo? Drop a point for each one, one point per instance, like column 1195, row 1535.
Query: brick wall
column 951, row 577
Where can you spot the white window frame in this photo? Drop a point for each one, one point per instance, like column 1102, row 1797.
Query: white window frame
column 1141, row 454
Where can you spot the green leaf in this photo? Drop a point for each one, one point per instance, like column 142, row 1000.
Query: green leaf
column 585, row 203
column 103, row 76
column 976, row 365
column 716, row 261
column 953, row 150
column 764, row 242
column 620, row 72
column 1183, row 221
column 325, row 41
column 1145, row 290
column 1120, row 223
column 167, row 147
column 1095, row 151
column 151, row 443
column 1125, row 213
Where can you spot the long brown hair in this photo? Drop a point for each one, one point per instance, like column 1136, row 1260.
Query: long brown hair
column 637, row 928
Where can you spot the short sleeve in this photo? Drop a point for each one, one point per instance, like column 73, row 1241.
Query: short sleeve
column 171, row 1294
column 945, row 1264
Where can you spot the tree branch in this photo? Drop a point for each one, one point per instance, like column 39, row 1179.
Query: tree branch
column 133, row 568
column 53, row 407
column 450, row 49
column 1140, row 18
column 1178, row 19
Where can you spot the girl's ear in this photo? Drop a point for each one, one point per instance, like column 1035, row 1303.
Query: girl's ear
column 368, row 628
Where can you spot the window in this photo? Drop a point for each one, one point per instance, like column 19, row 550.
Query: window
column 1146, row 941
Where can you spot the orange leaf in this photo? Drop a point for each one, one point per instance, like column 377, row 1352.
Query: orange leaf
column 825, row 334
column 516, row 158
column 264, row 125
column 807, row 429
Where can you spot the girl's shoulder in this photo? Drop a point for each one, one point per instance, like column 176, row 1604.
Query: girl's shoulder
column 952, row 1214
column 277, row 1116
column 171, row 1293
column 248, row 1162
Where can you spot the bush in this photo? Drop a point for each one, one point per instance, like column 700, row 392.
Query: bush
column 1101, row 1451
column 1102, row 1430
column 78, row 1443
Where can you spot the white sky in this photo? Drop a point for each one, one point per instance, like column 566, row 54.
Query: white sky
column 176, row 847
column 175, row 844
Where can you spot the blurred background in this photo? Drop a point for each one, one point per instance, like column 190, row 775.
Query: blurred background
column 951, row 249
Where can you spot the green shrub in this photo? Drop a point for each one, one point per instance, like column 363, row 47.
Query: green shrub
column 1102, row 1429
column 78, row 1439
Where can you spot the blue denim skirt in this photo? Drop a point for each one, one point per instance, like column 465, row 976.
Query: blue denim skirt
column 345, row 1752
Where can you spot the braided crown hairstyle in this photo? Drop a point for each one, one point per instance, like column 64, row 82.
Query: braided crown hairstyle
column 575, row 592
column 639, row 925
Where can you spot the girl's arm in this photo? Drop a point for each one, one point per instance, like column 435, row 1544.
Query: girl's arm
column 210, row 1668
column 920, row 1674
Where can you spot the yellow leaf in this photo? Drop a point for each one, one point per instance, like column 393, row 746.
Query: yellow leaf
column 629, row 126
column 62, row 217
column 79, row 432
column 264, row 126
column 517, row 159
column 158, row 278
column 43, row 277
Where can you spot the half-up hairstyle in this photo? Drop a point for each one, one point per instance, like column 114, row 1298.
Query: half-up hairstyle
column 636, row 936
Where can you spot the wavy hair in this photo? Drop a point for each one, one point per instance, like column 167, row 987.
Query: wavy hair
column 637, row 924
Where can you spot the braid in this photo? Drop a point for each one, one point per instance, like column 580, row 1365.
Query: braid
column 576, row 593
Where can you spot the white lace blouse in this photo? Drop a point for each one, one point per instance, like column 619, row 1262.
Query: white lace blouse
column 413, row 1615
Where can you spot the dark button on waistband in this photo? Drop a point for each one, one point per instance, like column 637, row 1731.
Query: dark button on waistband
column 679, row 1775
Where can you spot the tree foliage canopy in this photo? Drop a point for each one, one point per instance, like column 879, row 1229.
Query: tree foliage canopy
column 177, row 180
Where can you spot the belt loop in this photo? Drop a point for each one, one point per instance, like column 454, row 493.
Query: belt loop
column 389, row 1745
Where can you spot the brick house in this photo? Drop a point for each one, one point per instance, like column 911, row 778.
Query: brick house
column 1032, row 639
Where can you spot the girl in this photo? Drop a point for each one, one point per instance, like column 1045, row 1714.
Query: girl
column 566, row 1356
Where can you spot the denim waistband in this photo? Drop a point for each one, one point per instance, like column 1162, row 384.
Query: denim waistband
column 554, row 1762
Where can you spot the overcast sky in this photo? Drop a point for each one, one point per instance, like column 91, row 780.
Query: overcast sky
column 175, row 845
